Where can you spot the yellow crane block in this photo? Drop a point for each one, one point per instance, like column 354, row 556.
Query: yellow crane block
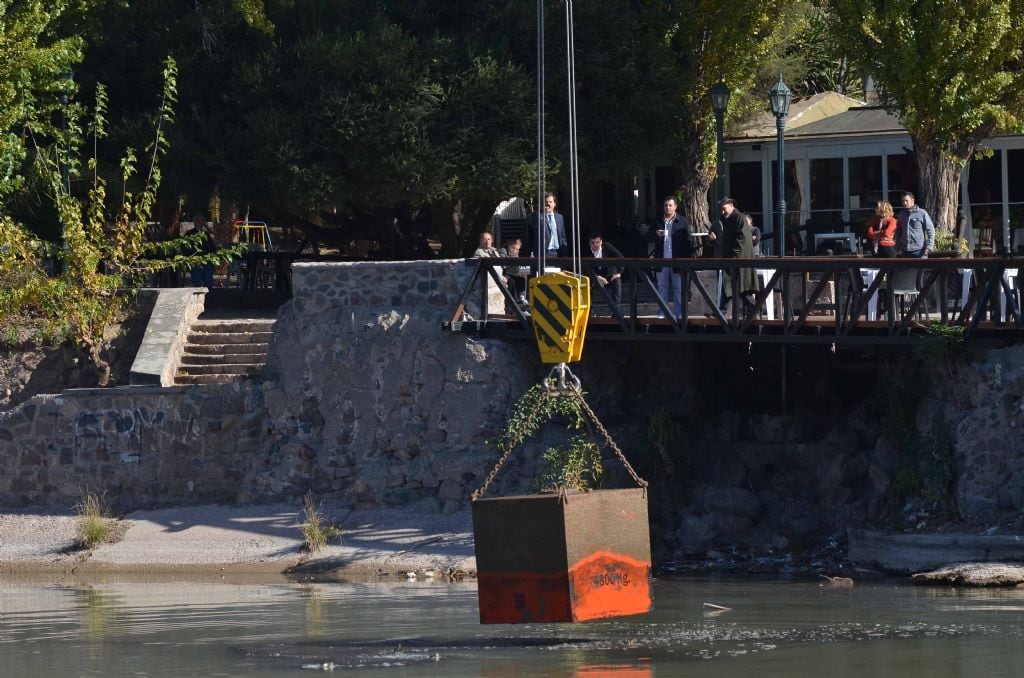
column 560, row 308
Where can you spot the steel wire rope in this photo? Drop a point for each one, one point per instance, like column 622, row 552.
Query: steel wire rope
column 539, row 207
column 570, row 48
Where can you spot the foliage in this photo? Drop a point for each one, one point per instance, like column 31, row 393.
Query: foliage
column 951, row 69
column 926, row 467
column 704, row 41
column 35, row 57
column 93, row 526
column 663, row 436
column 575, row 464
column 811, row 56
column 315, row 531
column 104, row 258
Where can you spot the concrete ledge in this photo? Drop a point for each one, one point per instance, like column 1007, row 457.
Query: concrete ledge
column 114, row 391
column 909, row 553
column 174, row 312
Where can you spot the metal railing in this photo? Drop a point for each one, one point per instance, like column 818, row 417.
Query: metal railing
column 797, row 300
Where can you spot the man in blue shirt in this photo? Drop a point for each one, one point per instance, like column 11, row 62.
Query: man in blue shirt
column 915, row 232
column 555, row 244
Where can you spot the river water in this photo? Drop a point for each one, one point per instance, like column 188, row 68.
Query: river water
column 774, row 628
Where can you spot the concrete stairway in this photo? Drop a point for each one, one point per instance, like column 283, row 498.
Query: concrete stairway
column 222, row 350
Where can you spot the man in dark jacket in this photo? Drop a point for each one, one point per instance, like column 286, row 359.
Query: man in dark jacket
column 606, row 273
column 671, row 241
column 554, row 242
column 737, row 243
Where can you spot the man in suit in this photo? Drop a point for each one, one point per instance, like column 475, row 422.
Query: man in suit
column 671, row 241
column 605, row 273
column 555, row 244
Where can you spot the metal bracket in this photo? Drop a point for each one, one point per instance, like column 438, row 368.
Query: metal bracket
column 561, row 381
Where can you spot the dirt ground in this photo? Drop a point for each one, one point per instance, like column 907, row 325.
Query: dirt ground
column 243, row 540
column 30, row 367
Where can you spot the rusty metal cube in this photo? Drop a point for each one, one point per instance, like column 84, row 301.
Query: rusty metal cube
column 563, row 557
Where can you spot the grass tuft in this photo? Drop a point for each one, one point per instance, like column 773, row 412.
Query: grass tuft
column 94, row 527
column 316, row 532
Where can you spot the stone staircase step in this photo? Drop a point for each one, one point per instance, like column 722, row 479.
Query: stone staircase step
column 233, row 326
column 221, row 349
column 232, row 369
column 223, row 358
column 192, row 379
column 229, row 338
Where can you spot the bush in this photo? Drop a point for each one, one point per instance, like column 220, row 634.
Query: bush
column 93, row 526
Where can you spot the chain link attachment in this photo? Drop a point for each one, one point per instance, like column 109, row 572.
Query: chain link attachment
column 561, row 381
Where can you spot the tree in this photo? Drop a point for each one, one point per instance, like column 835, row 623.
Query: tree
column 387, row 121
column 950, row 69
column 705, row 41
column 35, row 55
column 105, row 255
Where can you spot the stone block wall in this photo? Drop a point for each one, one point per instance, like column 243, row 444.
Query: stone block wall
column 367, row 399
column 138, row 445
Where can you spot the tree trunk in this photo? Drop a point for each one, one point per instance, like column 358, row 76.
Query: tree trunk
column 697, row 179
column 102, row 366
column 939, row 179
column 694, row 201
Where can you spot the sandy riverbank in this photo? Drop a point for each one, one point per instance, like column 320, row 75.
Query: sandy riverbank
column 242, row 539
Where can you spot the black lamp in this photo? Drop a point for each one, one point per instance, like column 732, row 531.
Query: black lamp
column 780, row 97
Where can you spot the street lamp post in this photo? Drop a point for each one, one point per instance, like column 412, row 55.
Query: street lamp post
column 780, row 97
column 719, row 102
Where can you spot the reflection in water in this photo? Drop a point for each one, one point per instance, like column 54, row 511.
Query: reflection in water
column 314, row 610
column 426, row 629
column 98, row 610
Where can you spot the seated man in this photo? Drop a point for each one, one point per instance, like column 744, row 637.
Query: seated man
column 515, row 275
column 486, row 248
column 606, row 274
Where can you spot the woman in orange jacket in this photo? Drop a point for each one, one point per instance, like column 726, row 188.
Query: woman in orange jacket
column 882, row 231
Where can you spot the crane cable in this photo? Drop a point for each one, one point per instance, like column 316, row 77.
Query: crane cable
column 574, row 203
column 574, row 167
column 541, row 250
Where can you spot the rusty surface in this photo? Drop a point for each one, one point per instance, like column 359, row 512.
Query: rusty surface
column 573, row 557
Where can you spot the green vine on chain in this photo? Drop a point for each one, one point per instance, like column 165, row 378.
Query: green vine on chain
column 576, row 464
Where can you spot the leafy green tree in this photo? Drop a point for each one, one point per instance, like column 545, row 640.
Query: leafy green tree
column 35, row 55
column 952, row 71
column 105, row 256
column 705, row 41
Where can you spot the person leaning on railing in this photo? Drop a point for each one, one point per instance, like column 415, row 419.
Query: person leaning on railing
column 515, row 276
column 882, row 231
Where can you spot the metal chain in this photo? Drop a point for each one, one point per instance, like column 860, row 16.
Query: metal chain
column 608, row 439
column 555, row 384
column 513, row 442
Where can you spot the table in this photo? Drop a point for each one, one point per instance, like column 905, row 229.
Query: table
column 851, row 238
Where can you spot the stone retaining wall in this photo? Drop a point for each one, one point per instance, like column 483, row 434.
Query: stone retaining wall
column 367, row 399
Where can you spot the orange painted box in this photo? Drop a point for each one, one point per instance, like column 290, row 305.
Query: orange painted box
column 562, row 557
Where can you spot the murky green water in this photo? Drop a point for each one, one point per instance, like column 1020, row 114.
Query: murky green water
column 421, row 629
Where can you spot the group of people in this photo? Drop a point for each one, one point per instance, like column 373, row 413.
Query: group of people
column 910, row 235
column 732, row 236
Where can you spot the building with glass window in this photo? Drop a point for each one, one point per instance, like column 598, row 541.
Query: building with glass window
column 843, row 156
